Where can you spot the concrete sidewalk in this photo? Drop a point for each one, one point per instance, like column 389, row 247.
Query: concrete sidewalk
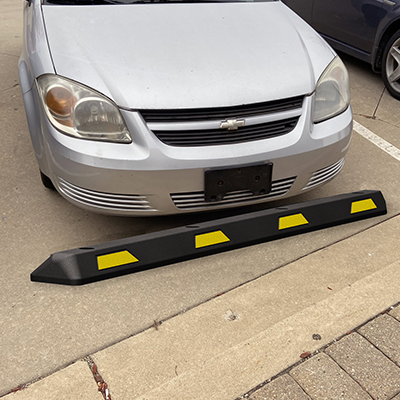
column 231, row 344
column 364, row 364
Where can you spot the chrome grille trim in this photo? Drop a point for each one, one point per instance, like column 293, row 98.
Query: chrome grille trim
column 185, row 201
column 325, row 174
column 211, row 137
column 111, row 201
column 216, row 123
column 204, row 114
column 205, row 126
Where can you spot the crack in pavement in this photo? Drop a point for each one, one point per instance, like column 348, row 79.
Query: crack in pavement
column 9, row 55
column 373, row 116
column 379, row 102
column 102, row 386
column 12, row 87
column 378, row 119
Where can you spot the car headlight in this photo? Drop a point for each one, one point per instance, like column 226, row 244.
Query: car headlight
column 332, row 95
column 81, row 112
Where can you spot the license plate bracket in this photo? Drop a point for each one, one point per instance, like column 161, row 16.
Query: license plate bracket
column 219, row 181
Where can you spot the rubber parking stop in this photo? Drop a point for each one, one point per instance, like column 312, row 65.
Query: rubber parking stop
column 138, row 253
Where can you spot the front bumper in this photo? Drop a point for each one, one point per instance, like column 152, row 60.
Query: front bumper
column 148, row 177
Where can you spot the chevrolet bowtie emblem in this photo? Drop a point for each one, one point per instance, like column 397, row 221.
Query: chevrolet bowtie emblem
column 232, row 124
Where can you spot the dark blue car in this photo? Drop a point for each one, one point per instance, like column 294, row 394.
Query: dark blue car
column 366, row 29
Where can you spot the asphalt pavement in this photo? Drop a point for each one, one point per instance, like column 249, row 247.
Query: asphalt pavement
column 314, row 316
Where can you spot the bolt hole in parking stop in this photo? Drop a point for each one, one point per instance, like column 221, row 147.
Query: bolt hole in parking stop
column 173, row 122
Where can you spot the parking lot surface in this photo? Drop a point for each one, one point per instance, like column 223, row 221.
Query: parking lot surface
column 215, row 327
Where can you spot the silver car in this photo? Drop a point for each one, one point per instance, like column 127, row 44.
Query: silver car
column 162, row 107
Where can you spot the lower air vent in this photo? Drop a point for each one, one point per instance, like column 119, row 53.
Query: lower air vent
column 324, row 175
column 120, row 202
column 186, row 201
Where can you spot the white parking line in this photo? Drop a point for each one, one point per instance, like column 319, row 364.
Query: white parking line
column 377, row 140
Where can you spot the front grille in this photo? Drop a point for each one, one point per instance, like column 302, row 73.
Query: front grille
column 325, row 174
column 211, row 137
column 110, row 201
column 193, row 200
column 205, row 114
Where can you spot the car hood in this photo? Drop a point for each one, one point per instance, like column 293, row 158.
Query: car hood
column 188, row 55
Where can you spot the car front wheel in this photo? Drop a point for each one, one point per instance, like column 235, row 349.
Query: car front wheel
column 391, row 66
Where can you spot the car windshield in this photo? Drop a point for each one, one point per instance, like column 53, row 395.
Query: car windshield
column 99, row 2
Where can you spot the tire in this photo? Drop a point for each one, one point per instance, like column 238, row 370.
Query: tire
column 391, row 66
column 47, row 183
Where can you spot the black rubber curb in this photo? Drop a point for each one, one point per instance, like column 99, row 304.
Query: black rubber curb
column 139, row 253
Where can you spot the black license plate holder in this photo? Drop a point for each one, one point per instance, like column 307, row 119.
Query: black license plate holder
column 219, row 181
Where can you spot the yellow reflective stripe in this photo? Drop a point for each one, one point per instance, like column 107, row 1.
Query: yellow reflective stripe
column 292, row 220
column 115, row 259
column 362, row 205
column 208, row 239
